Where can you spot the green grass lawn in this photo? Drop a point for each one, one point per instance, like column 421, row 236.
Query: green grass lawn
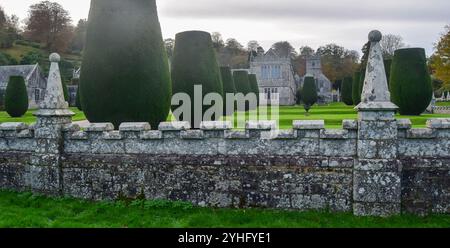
column 29, row 118
column 333, row 115
column 29, row 210
column 447, row 104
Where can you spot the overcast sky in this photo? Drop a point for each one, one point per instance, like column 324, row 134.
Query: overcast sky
column 301, row 22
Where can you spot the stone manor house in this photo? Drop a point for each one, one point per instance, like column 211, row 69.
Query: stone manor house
column 35, row 81
column 277, row 79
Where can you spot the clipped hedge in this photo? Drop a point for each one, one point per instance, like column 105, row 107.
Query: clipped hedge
column 410, row 83
column 309, row 93
column 16, row 97
column 194, row 62
column 125, row 72
column 228, row 87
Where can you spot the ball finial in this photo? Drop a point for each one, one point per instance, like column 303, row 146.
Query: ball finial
column 375, row 36
column 55, row 58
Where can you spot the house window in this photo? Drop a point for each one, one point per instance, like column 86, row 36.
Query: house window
column 265, row 72
column 276, row 72
column 37, row 95
column 271, row 93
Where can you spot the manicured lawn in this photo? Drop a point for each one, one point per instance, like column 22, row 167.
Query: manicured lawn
column 443, row 104
column 29, row 118
column 28, row 210
column 333, row 115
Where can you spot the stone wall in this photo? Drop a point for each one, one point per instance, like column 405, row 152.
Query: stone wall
column 308, row 167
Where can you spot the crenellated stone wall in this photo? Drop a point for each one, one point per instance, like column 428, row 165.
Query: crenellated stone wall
column 307, row 167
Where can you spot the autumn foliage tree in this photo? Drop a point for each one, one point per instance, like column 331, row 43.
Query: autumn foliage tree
column 49, row 23
column 441, row 60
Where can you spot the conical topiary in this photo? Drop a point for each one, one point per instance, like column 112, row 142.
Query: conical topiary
column 194, row 62
column 125, row 72
column 16, row 97
column 242, row 83
column 347, row 87
column 356, row 91
column 410, row 84
column 253, row 80
column 228, row 88
column 309, row 93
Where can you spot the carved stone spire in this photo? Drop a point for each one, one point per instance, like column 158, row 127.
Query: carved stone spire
column 375, row 94
column 54, row 102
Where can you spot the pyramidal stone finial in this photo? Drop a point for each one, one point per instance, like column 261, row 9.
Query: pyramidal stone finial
column 54, row 102
column 375, row 94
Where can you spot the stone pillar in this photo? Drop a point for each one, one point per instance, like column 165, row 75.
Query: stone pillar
column 376, row 178
column 53, row 115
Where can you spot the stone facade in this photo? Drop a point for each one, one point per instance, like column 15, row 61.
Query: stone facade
column 375, row 165
column 275, row 76
column 323, row 84
column 34, row 80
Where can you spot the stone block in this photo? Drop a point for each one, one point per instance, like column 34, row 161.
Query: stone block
column 279, row 135
column 112, row 135
column 13, row 126
column 99, row 127
column 192, row 135
column 421, row 133
column 404, row 124
column 350, row 124
column 309, row 125
column 334, row 134
column 376, row 187
column 134, row 127
column 229, row 134
column 174, row 126
column 260, row 125
column 216, row 125
column 151, row 135
column 377, row 130
column 439, row 123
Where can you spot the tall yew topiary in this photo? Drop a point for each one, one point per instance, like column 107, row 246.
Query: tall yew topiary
column 410, row 85
column 228, row 87
column 253, row 80
column 309, row 93
column 125, row 73
column 16, row 97
column 356, row 93
column 194, row 62
column 242, row 82
column 347, row 87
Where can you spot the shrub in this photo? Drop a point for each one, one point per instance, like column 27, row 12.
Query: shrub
column 309, row 93
column 410, row 86
column 194, row 62
column 299, row 96
column 347, row 87
column 125, row 72
column 356, row 93
column 16, row 97
column 254, row 85
column 242, row 83
column 228, row 87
